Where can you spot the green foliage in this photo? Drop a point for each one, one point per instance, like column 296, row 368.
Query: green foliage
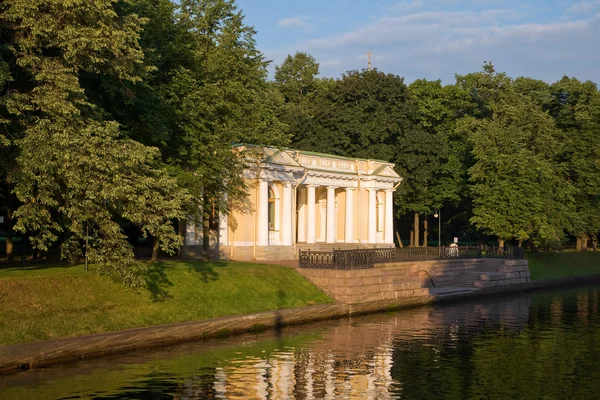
column 359, row 115
column 428, row 156
column 219, row 98
column 296, row 77
column 519, row 188
column 575, row 107
column 76, row 177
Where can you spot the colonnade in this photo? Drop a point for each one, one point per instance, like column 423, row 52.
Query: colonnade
column 306, row 205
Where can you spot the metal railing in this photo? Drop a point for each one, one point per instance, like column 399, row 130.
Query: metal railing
column 367, row 258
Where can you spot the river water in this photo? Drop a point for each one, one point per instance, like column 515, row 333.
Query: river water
column 540, row 345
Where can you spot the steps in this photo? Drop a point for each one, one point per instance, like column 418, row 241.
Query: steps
column 492, row 273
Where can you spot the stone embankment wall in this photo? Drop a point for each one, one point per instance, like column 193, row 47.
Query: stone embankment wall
column 413, row 279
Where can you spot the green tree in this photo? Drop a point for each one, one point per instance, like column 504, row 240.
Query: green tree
column 575, row 107
column 359, row 115
column 221, row 98
column 296, row 77
column 519, row 188
column 428, row 156
column 76, row 177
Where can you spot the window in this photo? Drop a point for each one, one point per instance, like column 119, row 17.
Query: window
column 271, row 210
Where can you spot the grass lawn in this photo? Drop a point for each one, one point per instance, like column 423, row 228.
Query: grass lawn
column 49, row 302
column 568, row 263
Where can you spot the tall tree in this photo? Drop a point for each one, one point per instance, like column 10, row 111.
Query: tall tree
column 426, row 156
column 220, row 99
column 7, row 151
column 575, row 107
column 360, row 115
column 296, row 77
column 520, row 190
column 76, row 177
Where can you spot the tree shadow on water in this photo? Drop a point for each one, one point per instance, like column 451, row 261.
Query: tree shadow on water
column 157, row 282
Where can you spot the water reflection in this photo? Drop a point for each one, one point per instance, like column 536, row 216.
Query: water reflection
column 544, row 345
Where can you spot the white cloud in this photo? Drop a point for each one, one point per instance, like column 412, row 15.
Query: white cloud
column 584, row 7
column 301, row 22
column 437, row 45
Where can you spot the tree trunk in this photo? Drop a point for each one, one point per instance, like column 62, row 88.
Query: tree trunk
column 399, row 240
column 10, row 256
column 411, row 241
column 594, row 242
column 154, row 250
column 582, row 242
column 206, row 234
column 181, row 229
column 425, row 231
column 416, row 227
column 10, row 223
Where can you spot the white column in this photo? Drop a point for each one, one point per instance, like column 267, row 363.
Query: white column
column 372, row 238
column 302, row 215
column 349, row 236
column 263, row 212
column 286, row 222
column 223, row 227
column 389, row 216
column 311, row 219
column 330, row 227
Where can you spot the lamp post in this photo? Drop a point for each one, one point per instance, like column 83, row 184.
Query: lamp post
column 438, row 215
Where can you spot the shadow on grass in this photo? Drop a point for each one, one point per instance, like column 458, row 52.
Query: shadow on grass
column 157, row 282
column 34, row 265
column 206, row 270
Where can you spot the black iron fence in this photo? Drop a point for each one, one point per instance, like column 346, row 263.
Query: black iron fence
column 367, row 258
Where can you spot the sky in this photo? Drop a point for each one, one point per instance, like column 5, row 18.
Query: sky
column 434, row 39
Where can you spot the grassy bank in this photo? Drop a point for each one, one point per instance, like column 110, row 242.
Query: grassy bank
column 569, row 263
column 42, row 303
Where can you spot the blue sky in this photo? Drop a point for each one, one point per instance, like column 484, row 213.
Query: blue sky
column 434, row 39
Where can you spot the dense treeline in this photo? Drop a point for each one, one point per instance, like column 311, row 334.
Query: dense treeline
column 118, row 116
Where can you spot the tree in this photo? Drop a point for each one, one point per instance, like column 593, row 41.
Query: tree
column 220, row 98
column 426, row 155
column 203, row 89
column 76, row 177
column 359, row 115
column 520, row 190
column 575, row 107
column 296, row 77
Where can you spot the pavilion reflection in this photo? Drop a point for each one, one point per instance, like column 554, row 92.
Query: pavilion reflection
column 354, row 358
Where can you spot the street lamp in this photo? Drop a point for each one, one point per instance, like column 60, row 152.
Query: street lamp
column 438, row 215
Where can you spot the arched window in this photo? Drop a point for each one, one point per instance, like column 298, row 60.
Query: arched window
column 274, row 201
column 274, row 215
column 271, row 210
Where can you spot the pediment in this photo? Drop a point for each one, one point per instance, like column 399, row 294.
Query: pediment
column 386, row 170
column 280, row 157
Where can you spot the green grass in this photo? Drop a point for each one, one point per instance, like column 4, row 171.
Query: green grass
column 569, row 263
column 42, row 303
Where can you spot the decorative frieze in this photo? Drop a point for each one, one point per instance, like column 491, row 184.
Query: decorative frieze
column 330, row 181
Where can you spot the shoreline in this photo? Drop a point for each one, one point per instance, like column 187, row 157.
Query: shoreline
column 26, row 356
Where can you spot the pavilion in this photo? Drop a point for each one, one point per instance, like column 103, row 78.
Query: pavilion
column 305, row 200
